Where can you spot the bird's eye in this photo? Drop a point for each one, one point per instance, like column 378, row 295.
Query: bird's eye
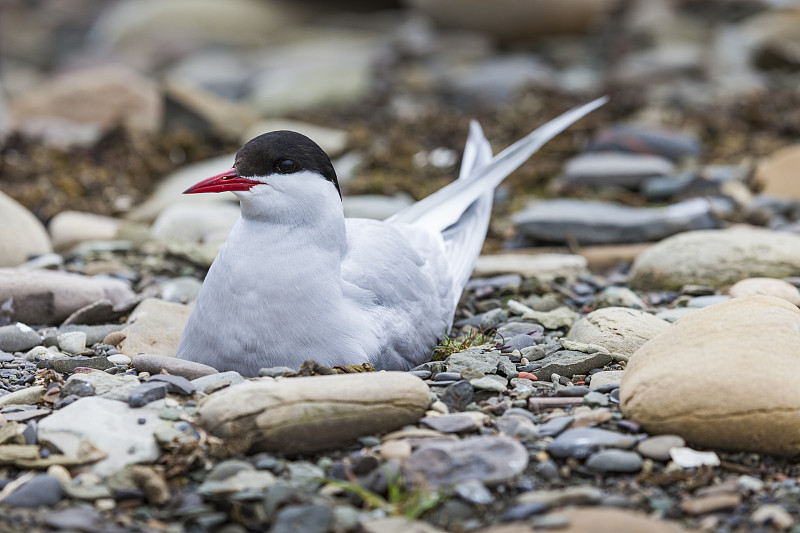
column 286, row 166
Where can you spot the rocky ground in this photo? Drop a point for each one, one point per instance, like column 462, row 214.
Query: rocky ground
column 624, row 358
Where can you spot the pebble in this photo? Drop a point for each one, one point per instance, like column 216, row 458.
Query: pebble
column 310, row 518
column 457, row 396
column 119, row 359
column 177, row 384
column 147, row 392
column 73, row 342
column 40, row 490
column 490, row 460
column 73, row 518
column 771, row 514
column 569, row 363
column 217, row 380
column 709, row 504
column 491, row 383
column 582, row 442
column 555, row 426
column 18, row 338
column 659, row 446
column 617, row 329
column 457, row 423
column 689, row 458
column 65, row 365
column 155, row 364
column 622, row 461
column 766, row 286
column 155, row 326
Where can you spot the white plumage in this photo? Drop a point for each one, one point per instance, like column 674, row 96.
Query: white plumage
column 296, row 280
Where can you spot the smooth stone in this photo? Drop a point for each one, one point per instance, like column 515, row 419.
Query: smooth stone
column 472, row 360
column 195, row 222
column 310, row 518
column 473, row 491
column 576, row 495
column 491, row 383
column 18, row 338
column 23, row 236
column 145, row 393
column 457, row 396
column 766, row 286
column 106, row 95
column 567, row 363
column 155, row 326
column 109, row 425
column 659, row 446
column 47, row 297
column 108, row 386
column 119, row 359
column 716, row 258
column 606, row 378
column 595, row 520
column 457, row 423
column 605, row 169
column 555, row 426
column 777, row 173
column 41, row 490
column 217, row 380
column 287, row 81
column 540, row 266
column 704, row 301
column 398, row 524
column 72, row 342
column 75, row 518
column 689, row 458
column 26, row 396
column 94, row 334
column 491, row 460
column 774, row 515
column 618, row 329
column 177, row 384
column 253, row 481
column 509, row 21
column 69, row 364
column 699, row 505
column 69, row 228
column 582, row 442
column 561, row 317
column 613, row 296
column 593, row 222
column 155, row 364
column 516, row 426
column 307, row 414
column 710, row 342
column 620, row 461
column 672, row 144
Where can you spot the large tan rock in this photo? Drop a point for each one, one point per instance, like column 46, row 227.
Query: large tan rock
column 766, row 286
column 618, row 329
column 599, row 520
column 69, row 228
column 155, row 327
column 511, row 20
column 779, row 174
column 107, row 95
column 45, row 297
column 22, row 236
column 302, row 415
column 692, row 379
column 716, row 258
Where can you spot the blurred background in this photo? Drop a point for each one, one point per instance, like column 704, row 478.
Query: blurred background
column 104, row 102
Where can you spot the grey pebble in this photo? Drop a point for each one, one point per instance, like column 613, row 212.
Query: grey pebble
column 177, row 384
column 568, row 363
column 42, row 489
column 621, row 461
column 421, row 374
column 147, row 392
column 523, row 511
column 554, row 426
column 582, row 442
column 18, row 338
column 573, row 392
column 658, row 447
column 277, row 371
column 473, row 491
column 213, row 382
column 456, row 423
column 457, row 396
column 447, row 376
column 596, row 399
column 69, row 364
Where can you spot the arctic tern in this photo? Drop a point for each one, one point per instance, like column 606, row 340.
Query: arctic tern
column 295, row 280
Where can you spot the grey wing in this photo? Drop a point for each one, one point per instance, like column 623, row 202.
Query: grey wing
column 398, row 276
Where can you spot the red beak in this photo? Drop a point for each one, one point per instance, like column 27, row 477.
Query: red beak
column 227, row 181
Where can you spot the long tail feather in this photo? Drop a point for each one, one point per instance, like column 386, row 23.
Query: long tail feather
column 445, row 207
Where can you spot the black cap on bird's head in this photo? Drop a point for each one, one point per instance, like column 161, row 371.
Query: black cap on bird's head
column 277, row 152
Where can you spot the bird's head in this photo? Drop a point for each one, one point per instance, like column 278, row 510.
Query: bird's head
column 279, row 169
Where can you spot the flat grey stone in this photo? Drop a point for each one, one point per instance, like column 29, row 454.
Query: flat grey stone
column 582, row 442
column 658, row 447
column 604, row 169
column 567, row 363
column 473, row 359
column 621, row 461
column 451, row 423
column 18, row 338
column 217, row 380
column 41, row 490
column 69, row 364
column 488, row 459
column 154, row 364
column 593, row 222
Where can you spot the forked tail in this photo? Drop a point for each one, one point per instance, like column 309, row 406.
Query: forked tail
column 460, row 211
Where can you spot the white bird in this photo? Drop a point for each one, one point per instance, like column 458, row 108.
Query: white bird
column 295, row 280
